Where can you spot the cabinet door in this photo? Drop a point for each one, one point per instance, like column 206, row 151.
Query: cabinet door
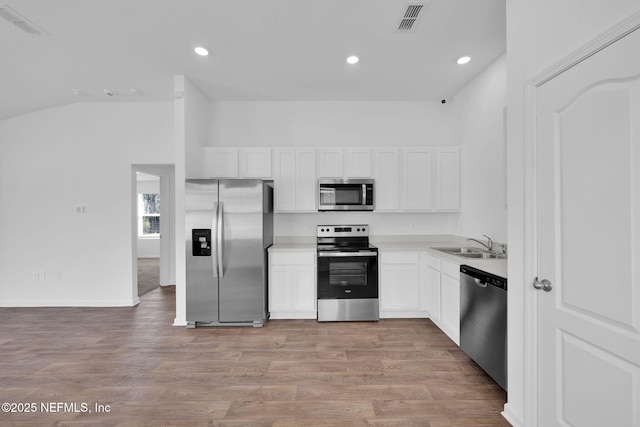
column 281, row 280
column 402, row 288
column 433, row 293
column 450, row 308
column 255, row 162
column 387, row 179
column 330, row 163
column 418, row 179
column 305, row 288
column 357, row 163
column 284, row 178
column 447, row 180
column 306, row 186
column 219, row 162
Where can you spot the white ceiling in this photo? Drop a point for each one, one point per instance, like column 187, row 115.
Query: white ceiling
column 259, row 50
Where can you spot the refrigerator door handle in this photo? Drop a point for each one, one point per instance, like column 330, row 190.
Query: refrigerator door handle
column 219, row 239
column 214, row 227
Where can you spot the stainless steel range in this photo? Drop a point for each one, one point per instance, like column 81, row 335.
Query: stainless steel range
column 347, row 274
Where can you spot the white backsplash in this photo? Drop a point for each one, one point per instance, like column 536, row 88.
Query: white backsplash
column 380, row 224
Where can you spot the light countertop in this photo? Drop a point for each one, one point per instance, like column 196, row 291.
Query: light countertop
column 409, row 243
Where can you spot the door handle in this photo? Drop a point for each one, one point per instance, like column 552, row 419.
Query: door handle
column 543, row 284
column 346, row 254
column 220, row 240
column 479, row 283
column 214, row 228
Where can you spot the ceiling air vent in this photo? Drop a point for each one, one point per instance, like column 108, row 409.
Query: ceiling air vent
column 20, row 21
column 411, row 15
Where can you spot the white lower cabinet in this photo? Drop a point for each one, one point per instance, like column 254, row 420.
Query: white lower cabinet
column 402, row 284
column 450, row 299
column 443, row 295
column 292, row 285
column 433, row 288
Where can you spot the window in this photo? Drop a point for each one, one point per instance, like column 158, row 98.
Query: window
column 148, row 215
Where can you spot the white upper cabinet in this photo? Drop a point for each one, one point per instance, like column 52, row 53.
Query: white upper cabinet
column 284, row 178
column 344, row 163
column 255, row 162
column 306, row 187
column 430, row 179
column 330, row 163
column 357, row 163
column 230, row 162
column 418, row 177
column 294, row 176
column 216, row 162
column 387, row 179
column 447, row 181
column 407, row 179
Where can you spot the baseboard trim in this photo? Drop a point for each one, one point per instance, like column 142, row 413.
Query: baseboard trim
column 69, row 303
column 511, row 417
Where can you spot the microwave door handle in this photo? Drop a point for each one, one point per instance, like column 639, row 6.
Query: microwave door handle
column 364, row 194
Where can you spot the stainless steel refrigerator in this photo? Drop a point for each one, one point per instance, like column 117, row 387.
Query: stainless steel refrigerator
column 229, row 227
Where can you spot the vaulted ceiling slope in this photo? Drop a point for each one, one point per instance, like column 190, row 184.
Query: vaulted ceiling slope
column 269, row 50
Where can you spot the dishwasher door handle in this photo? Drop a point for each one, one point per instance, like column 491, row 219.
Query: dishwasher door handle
column 479, row 282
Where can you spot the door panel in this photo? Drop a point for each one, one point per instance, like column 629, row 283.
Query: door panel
column 584, row 366
column 588, row 237
column 202, row 285
column 241, row 279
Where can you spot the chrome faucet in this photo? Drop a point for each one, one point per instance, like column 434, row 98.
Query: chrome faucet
column 488, row 245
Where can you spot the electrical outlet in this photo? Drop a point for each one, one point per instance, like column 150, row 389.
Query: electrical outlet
column 35, row 275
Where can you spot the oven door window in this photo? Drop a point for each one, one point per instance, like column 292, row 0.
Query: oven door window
column 348, row 273
column 347, row 277
column 341, row 195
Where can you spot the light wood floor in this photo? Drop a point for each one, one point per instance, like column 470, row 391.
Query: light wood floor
column 289, row 373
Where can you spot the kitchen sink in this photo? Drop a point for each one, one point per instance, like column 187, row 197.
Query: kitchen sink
column 469, row 252
column 483, row 255
column 460, row 250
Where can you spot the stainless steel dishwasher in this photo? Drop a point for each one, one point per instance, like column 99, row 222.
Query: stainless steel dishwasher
column 483, row 321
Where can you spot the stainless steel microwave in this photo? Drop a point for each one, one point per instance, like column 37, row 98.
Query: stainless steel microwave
column 345, row 195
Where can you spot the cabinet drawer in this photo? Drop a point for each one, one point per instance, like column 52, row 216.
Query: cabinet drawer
column 450, row 269
column 400, row 257
column 292, row 258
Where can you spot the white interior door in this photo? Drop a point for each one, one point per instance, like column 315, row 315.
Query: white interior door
column 588, row 241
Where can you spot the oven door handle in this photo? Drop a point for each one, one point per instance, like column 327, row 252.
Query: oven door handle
column 346, row 254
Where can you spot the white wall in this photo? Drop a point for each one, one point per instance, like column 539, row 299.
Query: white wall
column 53, row 160
column 330, row 123
column 539, row 33
column 342, row 124
column 191, row 110
column 478, row 111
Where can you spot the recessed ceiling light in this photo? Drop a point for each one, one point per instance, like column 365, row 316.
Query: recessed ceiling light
column 463, row 60
column 353, row 60
column 201, row 51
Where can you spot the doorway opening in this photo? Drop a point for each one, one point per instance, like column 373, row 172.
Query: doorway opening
column 153, row 228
